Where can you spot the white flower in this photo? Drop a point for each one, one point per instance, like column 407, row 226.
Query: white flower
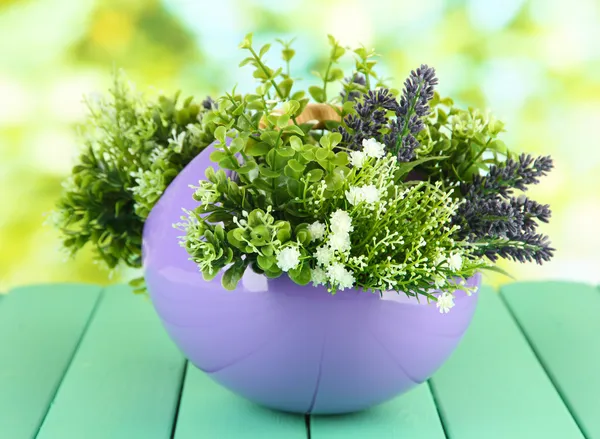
column 455, row 262
column 288, row 258
column 372, row 148
column 368, row 193
column 341, row 222
column 318, row 276
column 371, row 194
column 445, row 301
column 438, row 281
column 339, row 275
column 340, row 242
column 354, row 195
column 316, row 230
column 324, row 254
column 357, row 158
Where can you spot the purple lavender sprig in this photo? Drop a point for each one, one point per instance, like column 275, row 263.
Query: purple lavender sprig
column 502, row 225
column 209, row 103
column 413, row 107
column 371, row 119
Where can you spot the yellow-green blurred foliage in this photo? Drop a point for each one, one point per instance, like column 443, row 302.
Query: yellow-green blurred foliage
column 535, row 64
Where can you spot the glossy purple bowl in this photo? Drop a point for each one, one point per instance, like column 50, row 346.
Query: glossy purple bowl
column 288, row 347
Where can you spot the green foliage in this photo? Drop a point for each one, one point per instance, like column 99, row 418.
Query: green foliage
column 467, row 138
column 293, row 204
column 132, row 149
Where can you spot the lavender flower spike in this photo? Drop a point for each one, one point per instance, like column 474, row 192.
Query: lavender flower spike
column 414, row 105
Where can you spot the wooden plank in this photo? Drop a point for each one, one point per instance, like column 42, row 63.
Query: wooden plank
column 494, row 387
column 40, row 327
column 208, row 410
column 412, row 415
column 562, row 322
column 124, row 381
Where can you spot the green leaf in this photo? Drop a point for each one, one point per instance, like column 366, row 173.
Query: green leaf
column 497, row 269
column 323, row 154
column 341, row 159
column 269, row 173
column 233, row 274
column 315, row 175
column 255, row 105
column 300, row 275
column 264, row 262
column 246, row 61
column 317, row 93
column 257, row 149
column 229, row 163
column 294, row 188
column 334, row 182
column 286, row 86
column 285, row 152
column 291, row 107
column 247, row 42
column 220, row 134
column 217, row 156
column 296, row 143
column 296, row 165
column 297, row 96
column 361, row 52
column 270, row 136
column 248, row 166
column 237, row 145
column 335, row 75
column 287, row 54
column 283, row 120
column 405, row 168
column 264, row 49
column 293, row 129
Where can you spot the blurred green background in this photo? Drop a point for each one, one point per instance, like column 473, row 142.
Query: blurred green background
column 534, row 64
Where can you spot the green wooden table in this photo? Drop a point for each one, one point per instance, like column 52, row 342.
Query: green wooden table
column 85, row 362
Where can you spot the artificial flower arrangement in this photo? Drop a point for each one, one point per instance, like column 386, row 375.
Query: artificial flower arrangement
column 389, row 190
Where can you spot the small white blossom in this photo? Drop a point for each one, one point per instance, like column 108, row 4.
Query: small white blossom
column 341, row 222
column 288, row 258
column 354, row 195
column 445, row 302
column 324, row 255
column 339, row 275
column 372, row 148
column 357, row 158
column 455, row 262
column 316, row 230
column 340, row 242
column 318, row 276
column 371, row 194
column 438, row 281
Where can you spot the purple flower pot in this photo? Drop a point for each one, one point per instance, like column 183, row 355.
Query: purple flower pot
column 288, row 347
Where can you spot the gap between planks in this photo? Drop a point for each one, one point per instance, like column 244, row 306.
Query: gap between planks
column 542, row 363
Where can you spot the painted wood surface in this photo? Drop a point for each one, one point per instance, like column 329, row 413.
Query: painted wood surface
column 493, row 386
column 76, row 362
column 208, row 410
column 40, row 327
column 412, row 415
column 124, row 382
column 562, row 323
